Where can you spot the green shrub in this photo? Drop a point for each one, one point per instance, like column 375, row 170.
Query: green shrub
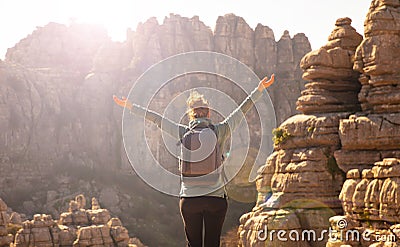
column 279, row 136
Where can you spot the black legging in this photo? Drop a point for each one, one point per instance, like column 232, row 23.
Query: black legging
column 196, row 209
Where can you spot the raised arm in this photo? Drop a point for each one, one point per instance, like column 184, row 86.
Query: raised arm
column 174, row 129
column 233, row 120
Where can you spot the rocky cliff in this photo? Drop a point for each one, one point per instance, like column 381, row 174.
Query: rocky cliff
column 349, row 125
column 58, row 89
column 61, row 132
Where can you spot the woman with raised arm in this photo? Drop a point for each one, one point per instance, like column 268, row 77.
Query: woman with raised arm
column 202, row 203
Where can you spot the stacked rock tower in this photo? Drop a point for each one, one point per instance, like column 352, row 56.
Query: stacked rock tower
column 350, row 125
column 374, row 133
column 371, row 139
column 329, row 71
column 301, row 175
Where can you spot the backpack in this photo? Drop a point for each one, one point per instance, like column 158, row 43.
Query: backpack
column 200, row 156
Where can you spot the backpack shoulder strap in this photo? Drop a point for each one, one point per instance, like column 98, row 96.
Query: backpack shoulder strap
column 212, row 127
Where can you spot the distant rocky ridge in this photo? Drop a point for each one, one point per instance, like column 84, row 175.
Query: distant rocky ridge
column 44, row 81
column 349, row 126
column 61, row 132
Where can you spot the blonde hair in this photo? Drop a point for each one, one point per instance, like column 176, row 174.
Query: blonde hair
column 197, row 106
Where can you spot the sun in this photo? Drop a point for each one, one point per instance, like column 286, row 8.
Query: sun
column 116, row 16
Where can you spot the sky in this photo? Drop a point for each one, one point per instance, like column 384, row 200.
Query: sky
column 315, row 18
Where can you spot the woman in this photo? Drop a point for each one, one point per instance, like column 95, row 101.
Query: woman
column 202, row 204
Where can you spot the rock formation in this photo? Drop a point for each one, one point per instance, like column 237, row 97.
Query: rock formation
column 41, row 231
column 329, row 70
column 377, row 58
column 232, row 36
column 58, row 46
column 369, row 138
column 5, row 238
column 78, row 216
column 242, row 46
column 78, row 227
column 370, row 206
column 373, row 135
column 340, row 133
column 301, row 181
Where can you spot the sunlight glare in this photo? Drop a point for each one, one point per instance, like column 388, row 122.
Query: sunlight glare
column 115, row 16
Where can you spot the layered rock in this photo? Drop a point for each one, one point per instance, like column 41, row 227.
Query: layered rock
column 281, row 58
column 232, row 36
column 289, row 53
column 78, row 227
column 152, row 42
column 79, row 216
column 302, row 176
column 41, row 231
column 265, row 50
column 111, row 234
column 5, row 238
column 368, row 139
column 333, row 85
column 93, row 235
column 55, row 45
column 371, row 206
column 353, row 143
column 269, row 221
column 346, row 195
column 370, row 147
column 377, row 58
column 242, row 46
column 373, row 135
column 303, row 162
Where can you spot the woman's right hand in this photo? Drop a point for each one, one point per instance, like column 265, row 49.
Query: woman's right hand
column 264, row 83
column 124, row 102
